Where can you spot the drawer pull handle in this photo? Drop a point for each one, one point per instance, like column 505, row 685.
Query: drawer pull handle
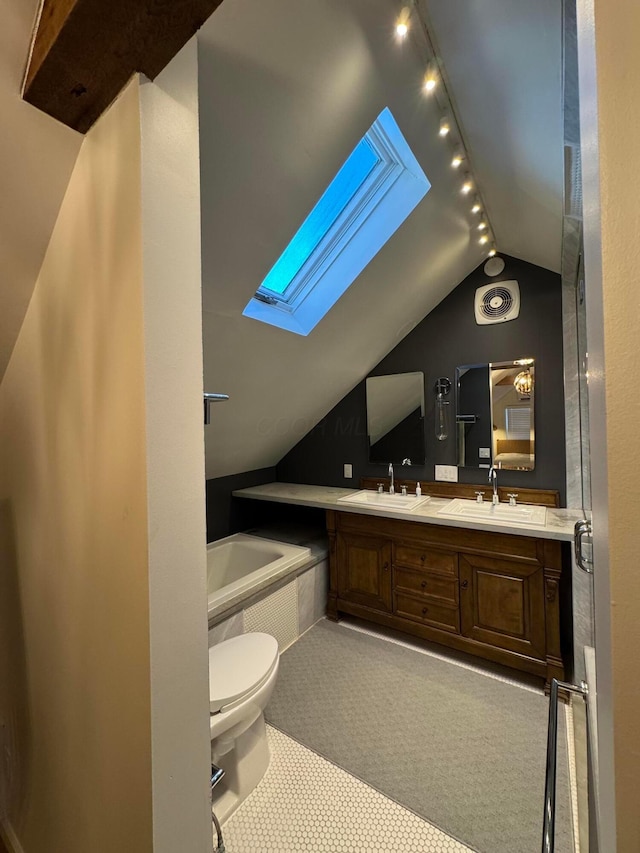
column 423, row 557
column 423, row 584
column 464, row 584
column 425, row 610
column 386, row 566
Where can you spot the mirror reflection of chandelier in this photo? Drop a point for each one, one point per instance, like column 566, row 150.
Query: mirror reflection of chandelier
column 523, row 383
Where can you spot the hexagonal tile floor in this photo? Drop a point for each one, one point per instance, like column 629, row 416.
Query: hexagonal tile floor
column 305, row 804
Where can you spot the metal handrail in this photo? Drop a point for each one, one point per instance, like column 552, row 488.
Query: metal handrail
column 549, row 825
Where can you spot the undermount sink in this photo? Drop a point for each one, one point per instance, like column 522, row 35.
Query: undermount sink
column 487, row 511
column 383, row 500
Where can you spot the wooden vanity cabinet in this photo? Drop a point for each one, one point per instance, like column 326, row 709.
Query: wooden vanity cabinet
column 502, row 604
column 364, row 570
column 493, row 595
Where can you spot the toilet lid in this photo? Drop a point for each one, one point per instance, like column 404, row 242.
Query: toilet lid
column 238, row 666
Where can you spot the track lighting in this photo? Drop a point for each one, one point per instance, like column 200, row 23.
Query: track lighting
column 430, row 78
column 402, row 24
column 434, row 78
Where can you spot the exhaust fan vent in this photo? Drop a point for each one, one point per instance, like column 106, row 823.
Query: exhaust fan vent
column 497, row 303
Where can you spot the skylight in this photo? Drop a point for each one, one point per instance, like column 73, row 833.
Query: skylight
column 374, row 191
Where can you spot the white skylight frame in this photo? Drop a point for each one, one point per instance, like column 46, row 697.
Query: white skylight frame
column 360, row 231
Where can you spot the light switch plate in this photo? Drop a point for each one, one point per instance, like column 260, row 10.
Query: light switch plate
column 484, row 453
column 348, row 471
column 446, row 473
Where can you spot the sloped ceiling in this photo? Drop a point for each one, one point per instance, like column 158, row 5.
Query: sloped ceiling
column 37, row 155
column 286, row 91
column 503, row 59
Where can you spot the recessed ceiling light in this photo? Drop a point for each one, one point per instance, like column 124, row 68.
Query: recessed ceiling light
column 445, row 127
column 484, row 239
column 476, row 208
column 457, row 161
column 466, row 187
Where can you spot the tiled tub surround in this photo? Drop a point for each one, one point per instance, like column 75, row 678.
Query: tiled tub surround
column 559, row 522
column 284, row 606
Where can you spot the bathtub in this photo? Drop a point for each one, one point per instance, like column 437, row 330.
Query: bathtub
column 243, row 564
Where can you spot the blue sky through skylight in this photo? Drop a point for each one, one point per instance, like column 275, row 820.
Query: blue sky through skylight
column 356, row 169
column 372, row 194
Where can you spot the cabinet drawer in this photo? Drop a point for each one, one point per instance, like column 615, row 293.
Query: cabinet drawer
column 427, row 584
column 414, row 557
column 420, row 610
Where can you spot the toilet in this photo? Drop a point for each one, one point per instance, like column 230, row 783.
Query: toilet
column 242, row 675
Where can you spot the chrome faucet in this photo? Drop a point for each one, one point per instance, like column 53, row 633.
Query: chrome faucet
column 493, row 479
column 392, row 490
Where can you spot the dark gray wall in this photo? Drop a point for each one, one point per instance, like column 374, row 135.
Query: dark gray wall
column 447, row 337
column 226, row 514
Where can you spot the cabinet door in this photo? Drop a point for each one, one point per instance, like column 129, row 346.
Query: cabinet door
column 364, row 570
column 502, row 603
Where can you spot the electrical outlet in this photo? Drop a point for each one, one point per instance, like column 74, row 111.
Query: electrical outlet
column 484, row 453
column 446, row 473
column 348, row 471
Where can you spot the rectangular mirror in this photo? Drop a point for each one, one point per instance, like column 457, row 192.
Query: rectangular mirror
column 495, row 414
column 395, row 418
column 512, row 384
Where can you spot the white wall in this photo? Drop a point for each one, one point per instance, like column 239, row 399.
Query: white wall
column 175, row 458
column 103, row 611
column 74, row 594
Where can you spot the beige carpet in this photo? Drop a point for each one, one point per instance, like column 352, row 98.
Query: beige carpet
column 461, row 749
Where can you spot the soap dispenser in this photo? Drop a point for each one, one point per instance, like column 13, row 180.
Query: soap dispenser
column 418, row 491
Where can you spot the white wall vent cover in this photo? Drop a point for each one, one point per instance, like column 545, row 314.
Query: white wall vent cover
column 497, row 302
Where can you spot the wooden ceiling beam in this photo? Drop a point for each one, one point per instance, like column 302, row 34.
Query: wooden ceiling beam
column 85, row 51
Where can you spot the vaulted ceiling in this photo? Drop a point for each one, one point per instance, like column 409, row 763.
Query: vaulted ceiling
column 286, row 91
column 503, row 61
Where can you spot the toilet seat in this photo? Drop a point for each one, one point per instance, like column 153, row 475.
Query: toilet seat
column 238, row 668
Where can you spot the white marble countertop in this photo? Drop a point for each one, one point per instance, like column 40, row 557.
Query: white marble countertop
column 559, row 524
